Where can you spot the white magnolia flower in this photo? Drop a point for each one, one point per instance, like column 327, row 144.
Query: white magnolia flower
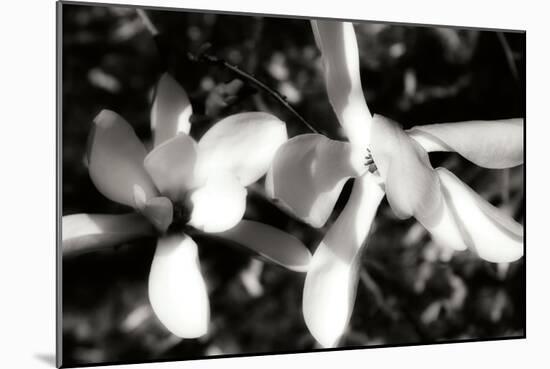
column 181, row 183
column 309, row 171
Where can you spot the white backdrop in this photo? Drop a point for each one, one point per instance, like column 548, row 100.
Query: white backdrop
column 27, row 265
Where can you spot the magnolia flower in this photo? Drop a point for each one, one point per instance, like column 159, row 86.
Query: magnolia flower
column 181, row 183
column 309, row 171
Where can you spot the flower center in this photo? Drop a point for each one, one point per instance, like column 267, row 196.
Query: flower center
column 181, row 215
column 369, row 162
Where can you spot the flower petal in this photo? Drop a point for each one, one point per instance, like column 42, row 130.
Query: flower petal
column 412, row 187
column 491, row 144
column 115, row 159
column 218, row 205
column 84, row 232
column 308, row 173
column 273, row 244
column 444, row 228
column 242, row 144
column 172, row 166
column 331, row 281
column 338, row 46
column 159, row 211
column 177, row 290
column 495, row 236
column 171, row 110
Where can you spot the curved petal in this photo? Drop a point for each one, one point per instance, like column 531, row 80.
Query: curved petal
column 242, row 144
column 85, row 232
column 495, row 236
column 273, row 244
column 159, row 211
column 338, row 46
column 177, row 291
column 218, row 205
column 331, row 281
column 490, row 144
column 308, row 173
column 412, row 187
column 171, row 110
column 115, row 157
column 172, row 166
column 443, row 227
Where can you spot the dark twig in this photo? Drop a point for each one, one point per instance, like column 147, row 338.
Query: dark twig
column 397, row 285
column 372, row 287
column 213, row 60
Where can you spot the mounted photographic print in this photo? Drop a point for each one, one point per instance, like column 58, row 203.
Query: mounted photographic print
column 247, row 184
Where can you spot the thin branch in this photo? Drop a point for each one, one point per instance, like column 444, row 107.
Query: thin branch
column 372, row 287
column 213, row 60
column 147, row 22
column 423, row 332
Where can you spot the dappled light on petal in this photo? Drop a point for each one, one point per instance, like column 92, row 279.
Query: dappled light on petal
column 331, row 281
column 273, row 244
column 177, row 290
column 84, row 232
column 171, row 110
column 172, row 165
column 308, row 173
column 242, row 144
column 487, row 230
column 491, row 144
column 412, row 187
column 115, row 157
column 218, row 205
column 340, row 56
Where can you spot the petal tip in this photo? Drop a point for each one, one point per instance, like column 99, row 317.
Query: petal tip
column 302, row 268
column 326, row 338
column 506, row 256
column 188, row 333
column 106, row 118
column 492, row 234
column 177, row 291
column 165, row 79
column 164, row 76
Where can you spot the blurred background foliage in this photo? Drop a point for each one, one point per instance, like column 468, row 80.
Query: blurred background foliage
column 410, row 290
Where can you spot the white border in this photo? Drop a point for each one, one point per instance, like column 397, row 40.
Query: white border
column 27, row 162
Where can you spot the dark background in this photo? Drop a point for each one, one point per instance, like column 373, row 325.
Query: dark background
column 409, row 292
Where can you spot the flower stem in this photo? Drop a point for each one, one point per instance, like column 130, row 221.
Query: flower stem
column 213, row 60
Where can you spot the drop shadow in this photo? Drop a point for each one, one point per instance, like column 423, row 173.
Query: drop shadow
column 46, row 358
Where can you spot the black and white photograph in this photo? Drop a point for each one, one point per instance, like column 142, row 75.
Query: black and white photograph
column 240, row 184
